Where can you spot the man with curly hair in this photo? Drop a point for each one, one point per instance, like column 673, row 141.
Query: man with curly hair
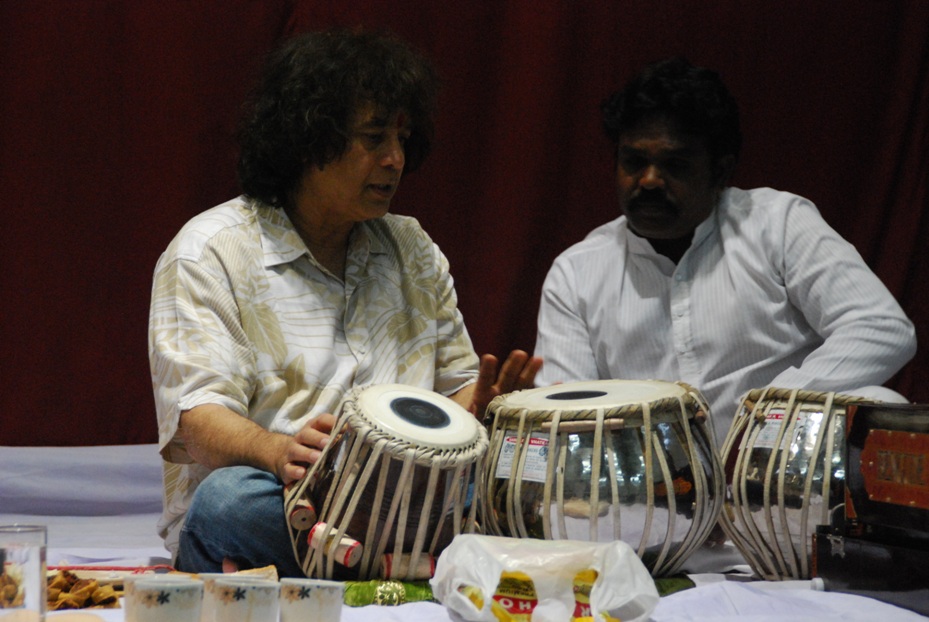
column 267, row 309
column 722, row 288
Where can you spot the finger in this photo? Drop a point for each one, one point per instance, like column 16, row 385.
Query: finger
column 511, row 369
column 487, row 372
column 324, row 423
column 301, row 455
column 293, row 473
column 528, row 373
column 310, row 436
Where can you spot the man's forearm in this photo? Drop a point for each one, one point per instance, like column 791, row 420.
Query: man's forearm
column 218, row 437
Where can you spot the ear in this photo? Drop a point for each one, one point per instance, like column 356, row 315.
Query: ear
column 725, row 166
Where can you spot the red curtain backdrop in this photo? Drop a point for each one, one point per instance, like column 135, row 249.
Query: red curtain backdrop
column 116, row 122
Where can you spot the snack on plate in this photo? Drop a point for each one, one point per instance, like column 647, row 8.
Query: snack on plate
column 92, row 589
column 67, row 591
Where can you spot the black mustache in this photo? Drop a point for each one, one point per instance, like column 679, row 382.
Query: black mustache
column 652, row 197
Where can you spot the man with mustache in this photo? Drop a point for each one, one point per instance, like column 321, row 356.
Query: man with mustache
column 722, row 288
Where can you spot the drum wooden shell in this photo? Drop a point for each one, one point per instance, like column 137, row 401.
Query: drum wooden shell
column 394, row 478
column 784, row 457
column 605, row 460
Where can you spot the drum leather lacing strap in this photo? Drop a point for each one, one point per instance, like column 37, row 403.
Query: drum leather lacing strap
column 784, row 450
column 683, row 409
column 373, row 451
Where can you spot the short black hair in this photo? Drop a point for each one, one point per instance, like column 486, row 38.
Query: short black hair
column 301, row 111
column 692, row 99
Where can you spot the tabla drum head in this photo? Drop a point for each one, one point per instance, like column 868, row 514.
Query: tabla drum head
column 418, row 416
column 593, row 394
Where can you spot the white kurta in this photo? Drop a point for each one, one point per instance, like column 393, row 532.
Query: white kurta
column 767, row 295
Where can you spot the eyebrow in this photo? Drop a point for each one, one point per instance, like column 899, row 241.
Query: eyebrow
column 380, row 123
column 679, row 152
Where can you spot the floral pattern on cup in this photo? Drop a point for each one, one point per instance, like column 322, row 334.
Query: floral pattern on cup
column 154, row 600
column 292, row 593
column 243, row 599
column 311, row 600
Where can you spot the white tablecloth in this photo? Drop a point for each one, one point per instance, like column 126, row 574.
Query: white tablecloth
column 101, row 504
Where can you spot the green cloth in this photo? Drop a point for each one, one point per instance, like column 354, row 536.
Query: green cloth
column 361, row 593
column 669, row 585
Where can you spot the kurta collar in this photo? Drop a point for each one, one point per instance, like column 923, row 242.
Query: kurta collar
column 641, row 246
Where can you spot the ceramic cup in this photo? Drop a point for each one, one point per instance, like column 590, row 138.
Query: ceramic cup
column 207, row 611
column 311, row 600
column 162, row 599
column 243, row 599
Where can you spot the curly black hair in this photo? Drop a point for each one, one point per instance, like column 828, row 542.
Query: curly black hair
column 692, row 99
column 301, row 111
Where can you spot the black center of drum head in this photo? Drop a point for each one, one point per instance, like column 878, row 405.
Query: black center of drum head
column 576, row 395
column 420, row 412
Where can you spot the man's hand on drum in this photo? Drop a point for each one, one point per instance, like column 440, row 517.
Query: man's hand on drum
column 305, row 448
column 517, row 372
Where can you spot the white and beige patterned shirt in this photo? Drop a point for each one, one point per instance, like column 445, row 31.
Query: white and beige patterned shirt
column 243, row 316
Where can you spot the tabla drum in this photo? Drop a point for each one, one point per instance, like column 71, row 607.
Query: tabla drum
column 784, row 458
column 391, row 488
column 605, row 460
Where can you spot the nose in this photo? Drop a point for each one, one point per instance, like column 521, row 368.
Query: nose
column 651, row 178
column 393, row 155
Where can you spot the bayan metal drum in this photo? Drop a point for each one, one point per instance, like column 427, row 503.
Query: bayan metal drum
column 605, row 460
column 785, row 470
column 389, row 491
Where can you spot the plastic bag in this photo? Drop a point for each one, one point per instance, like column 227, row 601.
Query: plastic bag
column 469, row 572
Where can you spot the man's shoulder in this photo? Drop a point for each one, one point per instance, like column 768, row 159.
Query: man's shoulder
column 600, row 250
column 397, row 230
column 607, row 236
column 233, row 219
column 760, row 201
column 395, row 223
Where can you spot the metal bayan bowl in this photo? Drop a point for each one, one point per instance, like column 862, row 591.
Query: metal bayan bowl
column 785, row 472
column 605, row 460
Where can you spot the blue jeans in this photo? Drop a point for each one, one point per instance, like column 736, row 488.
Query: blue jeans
column 237, row 512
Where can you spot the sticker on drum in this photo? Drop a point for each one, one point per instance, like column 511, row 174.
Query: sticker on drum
column 774, row 420
column 785, row 460
column 603, row 460
column 536, row 464
column 767, row 436
column 418, row 416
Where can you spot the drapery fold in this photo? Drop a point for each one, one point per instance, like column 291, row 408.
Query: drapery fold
column 116, row 122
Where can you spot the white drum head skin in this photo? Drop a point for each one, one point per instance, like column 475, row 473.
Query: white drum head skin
column 593, row 394
column 418, row 416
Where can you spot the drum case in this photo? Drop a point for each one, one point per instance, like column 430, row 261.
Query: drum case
column 879, row 546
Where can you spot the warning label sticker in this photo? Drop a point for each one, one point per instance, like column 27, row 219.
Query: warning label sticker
column 536, row 457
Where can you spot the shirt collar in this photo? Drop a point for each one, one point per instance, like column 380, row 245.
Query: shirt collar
column 711, row 223
column 282, row 244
